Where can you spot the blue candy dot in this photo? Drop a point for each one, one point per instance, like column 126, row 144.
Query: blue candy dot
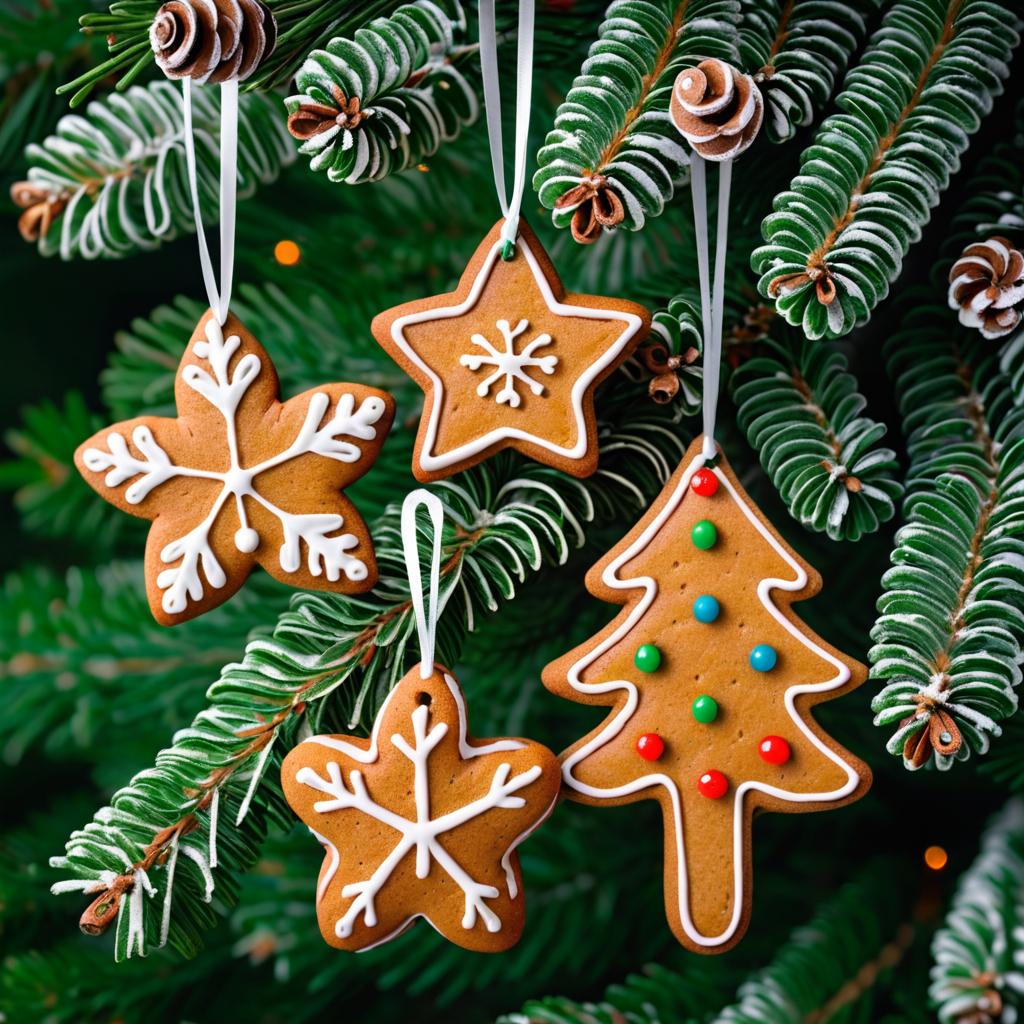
column 763, row 657
column 706, row 608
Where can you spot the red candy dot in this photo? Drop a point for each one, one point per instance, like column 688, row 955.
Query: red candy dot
column 774, row 750
column 713, row 785
column 650, row 746
column 704, row 482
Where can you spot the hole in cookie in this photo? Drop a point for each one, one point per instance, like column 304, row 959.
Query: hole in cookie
column 423, row 698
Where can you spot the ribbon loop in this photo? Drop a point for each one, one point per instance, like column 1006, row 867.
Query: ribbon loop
column 510, row 205
column 218, row 297
column 426, row 615
column 712, row 296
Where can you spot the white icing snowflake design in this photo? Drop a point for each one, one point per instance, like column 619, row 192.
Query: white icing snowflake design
column 510, row 364
column 328, row 551
column 420, row 834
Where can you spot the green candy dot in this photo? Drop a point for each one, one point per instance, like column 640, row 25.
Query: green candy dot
column 705, row 709
column 647, row 658
column 704, row 534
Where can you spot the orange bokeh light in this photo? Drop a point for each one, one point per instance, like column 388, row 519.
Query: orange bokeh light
column 287, row 253
column 936, row 858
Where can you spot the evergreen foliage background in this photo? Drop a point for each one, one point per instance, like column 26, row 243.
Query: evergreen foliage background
column 849, row 925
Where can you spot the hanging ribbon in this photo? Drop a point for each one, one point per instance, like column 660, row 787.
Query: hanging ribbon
column 219, row 296
column 712, row 295
column 426, row 616
column 510, row 207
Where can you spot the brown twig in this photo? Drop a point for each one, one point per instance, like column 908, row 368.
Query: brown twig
column 101, row 913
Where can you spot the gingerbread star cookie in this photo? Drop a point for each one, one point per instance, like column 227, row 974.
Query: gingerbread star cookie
column 509, row 360
column 419, row 820
column 710, row 679
column 240, row 478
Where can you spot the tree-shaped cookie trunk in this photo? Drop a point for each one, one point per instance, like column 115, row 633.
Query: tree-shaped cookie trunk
column 711, row 678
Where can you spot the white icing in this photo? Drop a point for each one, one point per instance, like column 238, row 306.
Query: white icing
column 327, row 551
column 430, row 460
column 419, row 835
column 510, row 364
column 618, row 722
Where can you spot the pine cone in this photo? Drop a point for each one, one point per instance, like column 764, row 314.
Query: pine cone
column 987, row 284
column 212, row 40
column 717, row 109
column 41, row 206
column 312, row 119
column 596, row 207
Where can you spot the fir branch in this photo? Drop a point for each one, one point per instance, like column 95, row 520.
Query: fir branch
column 801, row 410
column 669, row 361
column 977, row 976
column 84, row 666
column 796, row 50
column 836, row 240
column 836, row 962
column 612, row 134
column 384, row 101
column 504, row 522
column 112, row 183
column 301, row 26
column 51, row 497
column 948, row 640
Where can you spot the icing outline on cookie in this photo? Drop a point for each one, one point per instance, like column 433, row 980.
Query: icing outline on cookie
column 369, row 756
column 618, row 722
column 431, row 461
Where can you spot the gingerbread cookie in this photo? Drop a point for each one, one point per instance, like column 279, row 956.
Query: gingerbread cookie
column 240, row 477
column 509, row 360
column 710, row 678
column 419, row 820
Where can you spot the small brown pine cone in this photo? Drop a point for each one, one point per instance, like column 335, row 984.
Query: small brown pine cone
column 596, row 207
column 212, row 40
column 717, row 109
column 41, row 206
column 987, row 286
column 312, row 119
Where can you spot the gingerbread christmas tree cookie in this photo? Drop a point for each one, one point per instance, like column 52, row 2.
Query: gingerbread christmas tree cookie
column 419, row 820
column 710, row 678
column 240, row 478
column 509, row 360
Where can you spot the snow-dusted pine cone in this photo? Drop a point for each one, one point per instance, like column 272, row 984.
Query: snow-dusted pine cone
column 212, row 40
column 717, row 109
column 987, row 286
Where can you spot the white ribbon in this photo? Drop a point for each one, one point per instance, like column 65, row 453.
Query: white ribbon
column 492, row 106
column 712, row 298
column 219, row 298
column 426, row 617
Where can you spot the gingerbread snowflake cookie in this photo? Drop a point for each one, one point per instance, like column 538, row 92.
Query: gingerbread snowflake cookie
column 240, row 478
column 419, row 820
column 710, row 678
column 509, row 360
